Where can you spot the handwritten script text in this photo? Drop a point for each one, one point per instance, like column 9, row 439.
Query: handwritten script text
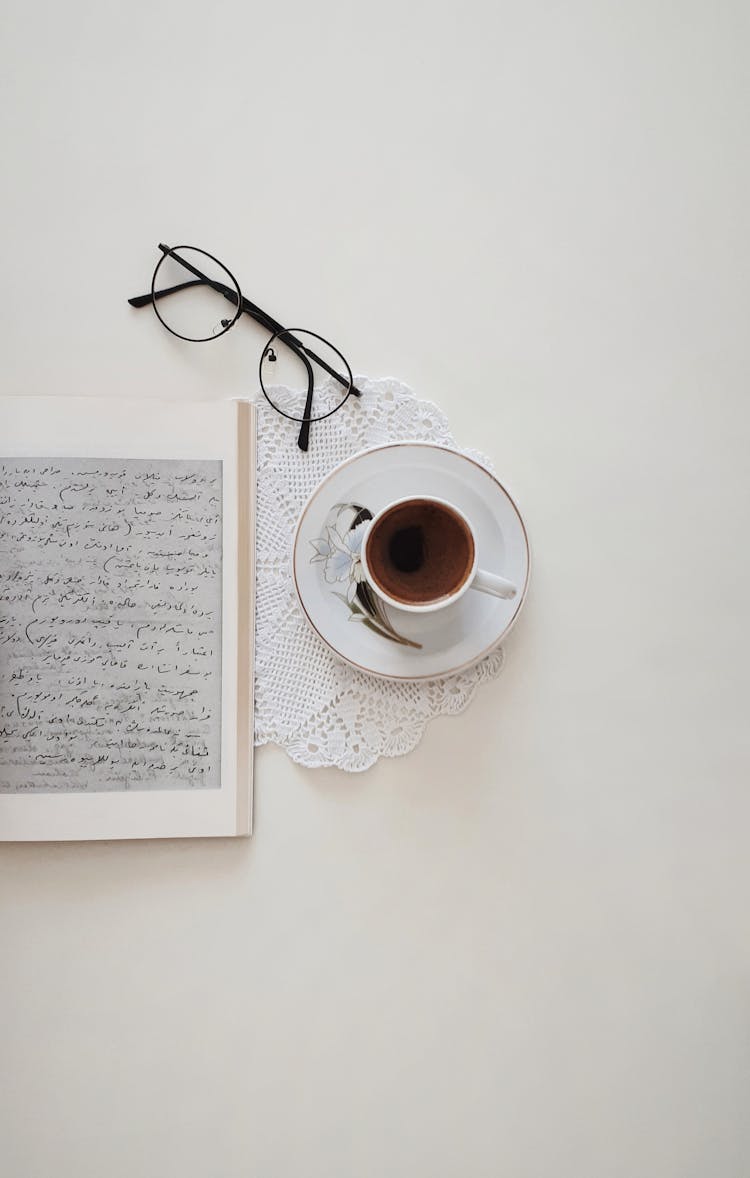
column 110, row 624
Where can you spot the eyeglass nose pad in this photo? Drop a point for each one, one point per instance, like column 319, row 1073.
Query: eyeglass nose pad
column 270, row 355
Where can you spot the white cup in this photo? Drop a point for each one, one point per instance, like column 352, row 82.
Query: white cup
column 474, row 578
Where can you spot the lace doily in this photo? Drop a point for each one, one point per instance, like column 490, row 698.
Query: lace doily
column 322, row 711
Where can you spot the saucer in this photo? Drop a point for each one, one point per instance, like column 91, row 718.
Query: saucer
column 347, row 615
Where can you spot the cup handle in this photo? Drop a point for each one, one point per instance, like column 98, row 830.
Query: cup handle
column 496, row 586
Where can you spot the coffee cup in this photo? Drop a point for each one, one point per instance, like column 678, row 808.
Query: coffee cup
column 419, row 554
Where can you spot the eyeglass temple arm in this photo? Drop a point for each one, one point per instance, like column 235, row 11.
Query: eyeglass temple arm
column 303, row 437
column 144, row 300
column 220, row 288
column 255, row 312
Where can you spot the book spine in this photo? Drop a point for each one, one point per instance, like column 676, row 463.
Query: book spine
column 246, row 472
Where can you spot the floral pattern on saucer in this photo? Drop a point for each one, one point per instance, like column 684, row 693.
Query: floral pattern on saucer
column 340, row 553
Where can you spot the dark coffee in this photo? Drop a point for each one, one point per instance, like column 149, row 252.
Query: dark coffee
column 420, row 551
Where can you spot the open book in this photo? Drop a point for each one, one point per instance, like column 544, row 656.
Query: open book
column 127, row 578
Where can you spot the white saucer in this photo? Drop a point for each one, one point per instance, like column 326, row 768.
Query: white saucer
column 325, row 551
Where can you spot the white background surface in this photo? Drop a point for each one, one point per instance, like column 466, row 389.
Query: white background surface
column 524, row 948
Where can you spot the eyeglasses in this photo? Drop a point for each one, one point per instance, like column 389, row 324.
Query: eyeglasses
column 302, row 375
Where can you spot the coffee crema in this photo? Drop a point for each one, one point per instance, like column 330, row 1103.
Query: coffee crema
column 420, row 552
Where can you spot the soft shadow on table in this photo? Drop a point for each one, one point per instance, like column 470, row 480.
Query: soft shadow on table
column 454, row 766
column 123, row 861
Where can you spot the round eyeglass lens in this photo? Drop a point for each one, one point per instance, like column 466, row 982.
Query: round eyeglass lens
column 303, row 376
column 195, row 297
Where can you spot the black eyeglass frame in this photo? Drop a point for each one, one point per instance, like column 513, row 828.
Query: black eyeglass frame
column 279, row 336
column 279, row 333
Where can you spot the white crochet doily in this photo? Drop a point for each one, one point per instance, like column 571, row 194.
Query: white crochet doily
column 322, row 711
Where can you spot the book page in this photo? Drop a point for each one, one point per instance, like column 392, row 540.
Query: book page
column 126, row 703
column 110, row 624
